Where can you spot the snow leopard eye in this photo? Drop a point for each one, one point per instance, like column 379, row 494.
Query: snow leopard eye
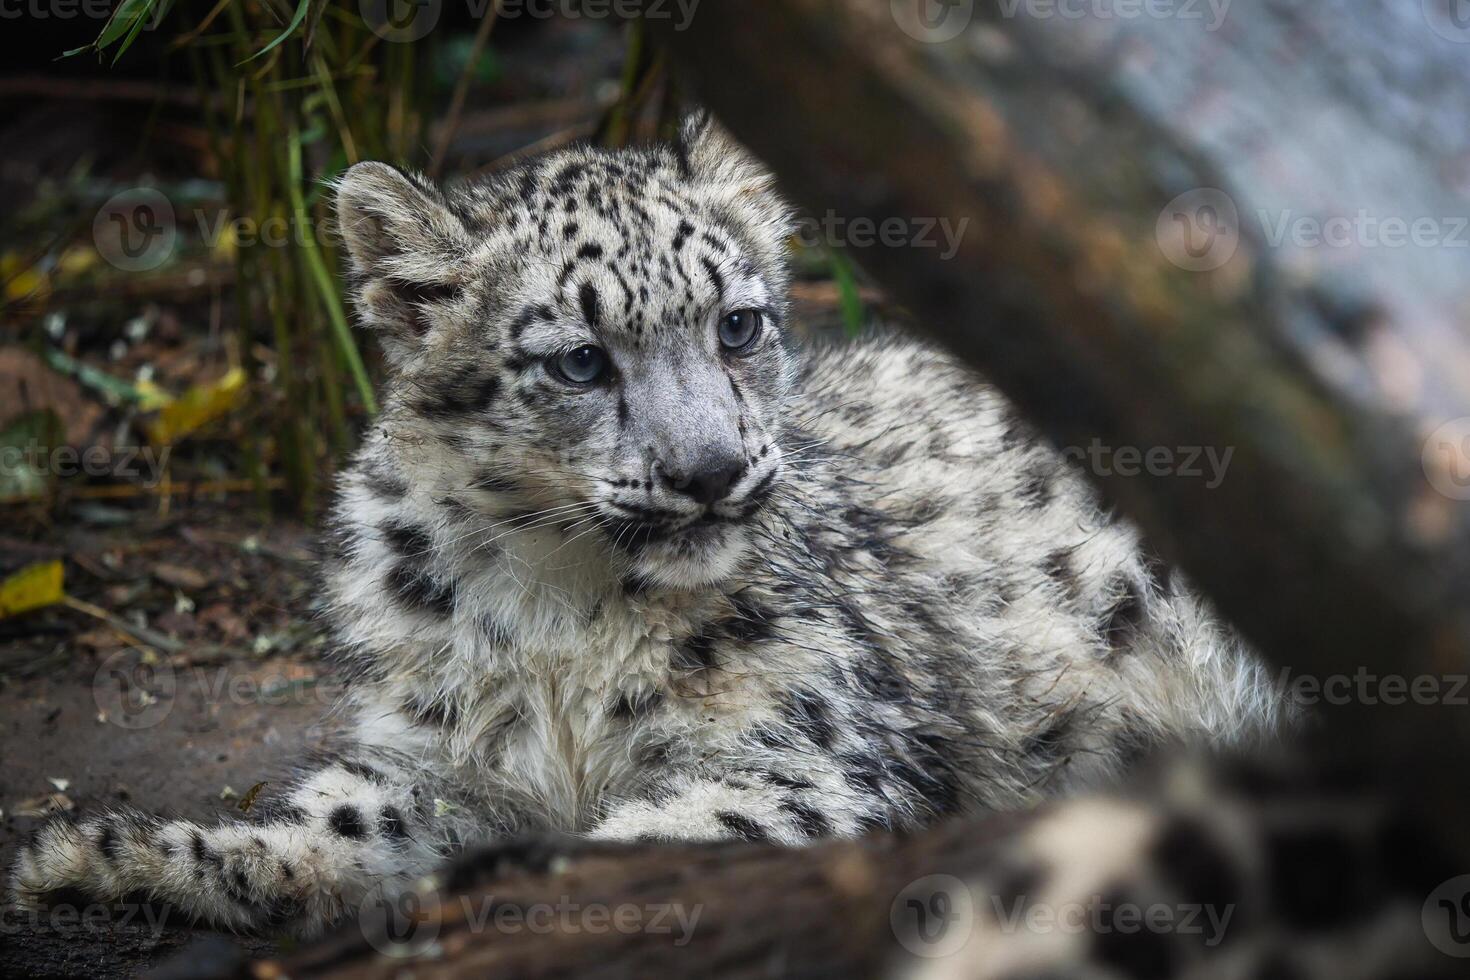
column 739, row 330
column 581, row 366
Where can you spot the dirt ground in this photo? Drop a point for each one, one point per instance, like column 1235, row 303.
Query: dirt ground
column 94, row 715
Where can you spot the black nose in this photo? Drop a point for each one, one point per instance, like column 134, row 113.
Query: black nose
column 707, row 484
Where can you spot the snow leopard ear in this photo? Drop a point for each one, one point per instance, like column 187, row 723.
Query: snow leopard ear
column 406, row 249
column 730, row 174
column 709, row 154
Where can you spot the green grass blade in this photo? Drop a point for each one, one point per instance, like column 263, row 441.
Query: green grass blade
column 848, row 298
column 323, row 281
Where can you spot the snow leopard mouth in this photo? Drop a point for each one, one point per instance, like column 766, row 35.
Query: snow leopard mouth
column 635, row 535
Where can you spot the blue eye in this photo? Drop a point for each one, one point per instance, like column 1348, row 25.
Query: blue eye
column 583, row 365
column 739, row 330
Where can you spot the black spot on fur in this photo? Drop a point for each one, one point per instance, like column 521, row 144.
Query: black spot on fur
column 1045, row 745
column 639, row 704
column 417, row 589
column 715, row 277
column 1128, row 947
column 107, row 841
column 1313, row 878
column 741, row 826
column 436, row 712
column 201, row 850
column 809, row 820
column 695, row 653
column 469, row 391
column 1058, row 567
column 590, row 251
column 682, row 235
column 406, row 540
column 392, row 825
column 809, row 715
column 1017, row 887
column 345, row 820
column 1125, row 618
column 863, row 772
column 876, row 676
column 363, row 771
column 1193, row 862
column 588, row 299
column 752, row 622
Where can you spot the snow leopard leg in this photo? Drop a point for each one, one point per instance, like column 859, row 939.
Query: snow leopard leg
column 349, row 831
column 744, row 804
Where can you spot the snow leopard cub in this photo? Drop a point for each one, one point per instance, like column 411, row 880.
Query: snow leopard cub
column 617, row 559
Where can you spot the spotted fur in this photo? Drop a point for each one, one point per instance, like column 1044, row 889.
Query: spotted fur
column 902, row 606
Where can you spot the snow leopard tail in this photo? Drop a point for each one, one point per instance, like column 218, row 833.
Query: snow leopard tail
column 349, row 833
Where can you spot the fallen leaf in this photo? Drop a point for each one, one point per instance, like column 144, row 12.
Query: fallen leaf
column 248, row 800
column 31, row 588
column 196, row 407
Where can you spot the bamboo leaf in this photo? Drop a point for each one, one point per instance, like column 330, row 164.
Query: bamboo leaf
column 303, row 7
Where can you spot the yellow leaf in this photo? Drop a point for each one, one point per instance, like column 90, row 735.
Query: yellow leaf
column 31, row 588
column 23, row 283
column 197, row 407
column 75, row 262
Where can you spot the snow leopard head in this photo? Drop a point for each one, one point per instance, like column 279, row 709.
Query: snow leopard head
column 595, row 334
